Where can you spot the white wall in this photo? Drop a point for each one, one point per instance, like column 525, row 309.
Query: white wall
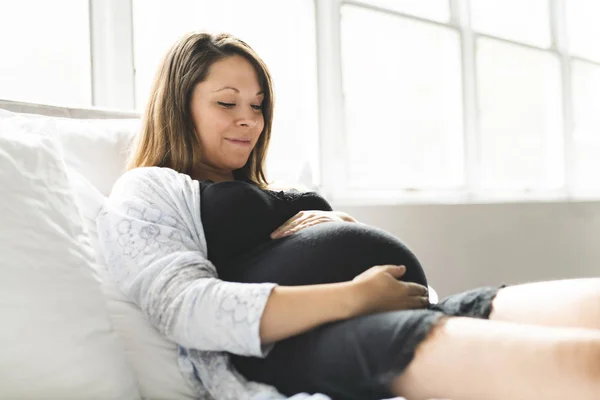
column 465, row 246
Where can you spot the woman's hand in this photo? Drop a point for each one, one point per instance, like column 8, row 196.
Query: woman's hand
column 291, row 310
column 304, row 219
column 378, row 289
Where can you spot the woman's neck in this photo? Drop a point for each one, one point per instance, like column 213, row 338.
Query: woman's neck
column 202, row 174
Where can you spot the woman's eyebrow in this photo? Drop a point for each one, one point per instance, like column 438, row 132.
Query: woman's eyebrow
column 236, row 90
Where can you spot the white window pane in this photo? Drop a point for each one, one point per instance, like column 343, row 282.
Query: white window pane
column 586, row 103
column 583, row 29
column 522, row 21
column 403, row 102
column 284, row 38
column 157, row 24
column 520, row 117
column 45, row 48
column 438, row 10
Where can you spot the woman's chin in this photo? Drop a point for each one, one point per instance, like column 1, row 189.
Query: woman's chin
column 237, row 165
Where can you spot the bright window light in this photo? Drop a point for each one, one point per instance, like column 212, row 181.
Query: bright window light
column 525, row 21
column 45, row 47
column 583, row 28
column 403, row 102
column 437, row 10
column 586, row 135
column 520, row 117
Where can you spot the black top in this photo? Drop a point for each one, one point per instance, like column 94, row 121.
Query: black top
column 238, row 217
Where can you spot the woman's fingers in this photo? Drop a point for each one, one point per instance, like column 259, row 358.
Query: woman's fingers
column 295, row 220
column 299, row 224
column 409, row 303
column 304, row 219
column 414, row 289
column 395, row 270
column 418, row 302
column 305, row 224
column 296, row 227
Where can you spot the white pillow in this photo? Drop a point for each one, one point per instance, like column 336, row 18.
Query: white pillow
column 153, row 357
column 56, row 337
column 96, row 148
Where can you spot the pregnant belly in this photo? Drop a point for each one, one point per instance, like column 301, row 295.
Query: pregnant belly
column 325, row 253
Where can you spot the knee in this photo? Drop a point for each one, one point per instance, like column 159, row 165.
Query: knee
column 594, row 361
column 584, row 355
column 594, row 309
column 591, row 367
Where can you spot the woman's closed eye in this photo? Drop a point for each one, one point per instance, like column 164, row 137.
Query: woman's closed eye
column 229, row 105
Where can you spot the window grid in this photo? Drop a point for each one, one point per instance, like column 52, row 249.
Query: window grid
column 333, row 156
column 112, row 69
column 460, row 20
column 561, row 47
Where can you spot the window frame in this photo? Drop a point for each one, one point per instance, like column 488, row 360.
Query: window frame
column 113, row 87
column 113, row 71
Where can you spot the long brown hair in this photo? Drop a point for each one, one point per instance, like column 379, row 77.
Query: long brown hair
column 168, row 136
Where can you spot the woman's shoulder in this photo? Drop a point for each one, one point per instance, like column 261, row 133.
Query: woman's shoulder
column 149, row 173
column 148, row 180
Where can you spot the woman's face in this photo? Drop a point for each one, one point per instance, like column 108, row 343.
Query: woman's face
column 227, row 115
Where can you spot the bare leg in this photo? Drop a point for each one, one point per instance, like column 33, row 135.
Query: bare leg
column 473, row 359
column 566, row 303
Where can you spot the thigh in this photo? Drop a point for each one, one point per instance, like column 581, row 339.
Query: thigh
column 474, row 359
column 325, row 253
column 352, row 359
column 358, row 358
column 566, row 303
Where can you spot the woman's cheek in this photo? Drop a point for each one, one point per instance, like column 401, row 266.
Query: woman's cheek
column 260, row 127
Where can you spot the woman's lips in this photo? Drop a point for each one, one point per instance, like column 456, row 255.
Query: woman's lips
column 239, row 142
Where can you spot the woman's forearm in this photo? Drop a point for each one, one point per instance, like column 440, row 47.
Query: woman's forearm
column 292, row 310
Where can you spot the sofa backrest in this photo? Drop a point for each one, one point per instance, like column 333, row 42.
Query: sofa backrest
column 95, row 142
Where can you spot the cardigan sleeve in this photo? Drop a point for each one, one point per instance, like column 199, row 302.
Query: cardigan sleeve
column 151, row 234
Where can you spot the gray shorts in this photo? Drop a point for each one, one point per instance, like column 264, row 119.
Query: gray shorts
column 356, row 358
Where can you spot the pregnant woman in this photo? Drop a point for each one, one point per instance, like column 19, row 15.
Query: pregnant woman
column 272, row 293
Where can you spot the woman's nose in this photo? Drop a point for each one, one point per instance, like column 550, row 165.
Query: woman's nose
column 248, row 121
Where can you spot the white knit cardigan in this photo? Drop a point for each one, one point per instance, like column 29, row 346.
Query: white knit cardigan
column 151, row 233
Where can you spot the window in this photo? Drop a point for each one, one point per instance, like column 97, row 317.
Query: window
column 586, row 118
column 520, row 117
column 403, row 102
column 437, row 10
column 46, row 52
column 286, row 43
column 480, row 99
column 583, row 28
column 517, row 20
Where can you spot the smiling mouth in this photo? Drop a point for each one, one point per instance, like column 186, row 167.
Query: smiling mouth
column 238, row 141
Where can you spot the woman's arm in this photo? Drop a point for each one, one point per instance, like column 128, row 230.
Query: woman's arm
column 154, row 245
column 151, row 234
column 291, row 310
